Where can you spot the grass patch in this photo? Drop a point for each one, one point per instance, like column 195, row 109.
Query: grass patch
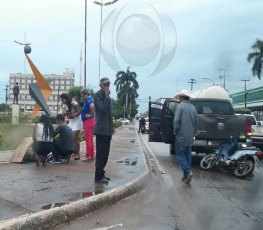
column 12, row 135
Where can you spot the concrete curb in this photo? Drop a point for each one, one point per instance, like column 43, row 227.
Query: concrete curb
column 59, row 215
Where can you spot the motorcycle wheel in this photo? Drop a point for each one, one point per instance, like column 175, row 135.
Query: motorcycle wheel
column 245, row 170
column 208, row 162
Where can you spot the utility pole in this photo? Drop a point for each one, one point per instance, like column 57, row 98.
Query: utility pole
column 224, row 76
column 245, row 94
column 6, row 98
column 192, row 81
column 85, row 46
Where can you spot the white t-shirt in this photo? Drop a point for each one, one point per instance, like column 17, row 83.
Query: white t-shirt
column 40, row 134
column 75, row 123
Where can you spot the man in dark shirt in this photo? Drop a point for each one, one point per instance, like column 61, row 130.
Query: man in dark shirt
column 103, row 129
column 65, row 145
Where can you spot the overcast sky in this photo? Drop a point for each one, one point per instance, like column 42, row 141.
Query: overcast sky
column 165, row 42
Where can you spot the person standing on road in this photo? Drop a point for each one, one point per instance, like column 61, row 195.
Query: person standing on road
column 16, row 92
column 185, row 127
column 87, row 117
column 71, row 108
column 103, row 129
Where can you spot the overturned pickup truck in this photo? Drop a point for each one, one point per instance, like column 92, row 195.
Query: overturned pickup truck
column 216, row 120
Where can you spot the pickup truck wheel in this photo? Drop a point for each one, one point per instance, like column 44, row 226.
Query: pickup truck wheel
column 208, row 162
column 172, row 149
column 245, row 169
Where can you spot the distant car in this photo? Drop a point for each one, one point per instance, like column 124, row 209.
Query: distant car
column 147, row 125
column 124, row 121
column 256, row 131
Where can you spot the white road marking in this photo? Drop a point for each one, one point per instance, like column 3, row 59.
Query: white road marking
column 110, row 227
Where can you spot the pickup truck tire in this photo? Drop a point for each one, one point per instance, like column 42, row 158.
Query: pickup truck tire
column 245, row 170
column 172, row 149
column 208, row 162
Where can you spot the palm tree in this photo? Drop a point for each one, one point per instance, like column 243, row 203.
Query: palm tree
column 126, row 83
column 257, row 57
column 132, row 95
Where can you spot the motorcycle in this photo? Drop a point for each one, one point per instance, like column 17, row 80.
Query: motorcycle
column 143, row 129
column 233, row 157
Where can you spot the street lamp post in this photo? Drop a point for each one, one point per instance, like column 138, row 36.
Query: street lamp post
column 206, row 78
column 101, row 4
column 85, row 46
column 220, row 79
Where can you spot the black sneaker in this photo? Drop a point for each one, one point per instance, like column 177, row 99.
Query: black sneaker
column 107, row 178
column 183, row 179
column 66, row 159
column 54, row 161
column 102, row 181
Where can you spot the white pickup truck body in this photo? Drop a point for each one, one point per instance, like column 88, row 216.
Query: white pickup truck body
column 256, row 130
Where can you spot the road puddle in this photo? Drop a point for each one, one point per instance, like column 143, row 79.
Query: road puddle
column 99, row 188
column 129, row 161
column 79, row 195
column 53, row 205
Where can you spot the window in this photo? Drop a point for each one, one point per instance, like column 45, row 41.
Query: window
column 213, row 107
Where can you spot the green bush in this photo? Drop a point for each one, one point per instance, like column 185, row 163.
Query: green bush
column 24, row 119
column 1, row 139
column 6, row 119
column 117, row 124
column 12, row 135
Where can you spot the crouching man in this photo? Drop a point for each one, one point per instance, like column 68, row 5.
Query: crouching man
column 64, row 145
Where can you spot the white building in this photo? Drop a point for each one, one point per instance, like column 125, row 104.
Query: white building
column 59, row 83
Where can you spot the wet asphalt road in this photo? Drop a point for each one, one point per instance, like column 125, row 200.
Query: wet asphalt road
column 214, row 200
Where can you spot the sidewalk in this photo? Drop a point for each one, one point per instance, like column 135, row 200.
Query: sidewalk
column 47, row 196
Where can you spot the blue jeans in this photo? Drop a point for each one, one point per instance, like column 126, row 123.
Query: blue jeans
column 184, row 155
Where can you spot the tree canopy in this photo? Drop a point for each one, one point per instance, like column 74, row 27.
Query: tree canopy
column 126, row 88
column 257, row 57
